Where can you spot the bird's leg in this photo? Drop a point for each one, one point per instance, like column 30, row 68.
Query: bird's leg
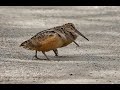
column 36, row 55
column 45, row 55
column 56, row 52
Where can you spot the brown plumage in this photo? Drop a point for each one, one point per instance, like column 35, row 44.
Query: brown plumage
column 53, row 38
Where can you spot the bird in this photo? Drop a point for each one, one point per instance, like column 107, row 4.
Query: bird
column 52, row 39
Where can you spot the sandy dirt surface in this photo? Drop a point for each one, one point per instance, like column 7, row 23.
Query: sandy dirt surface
column 94, row 62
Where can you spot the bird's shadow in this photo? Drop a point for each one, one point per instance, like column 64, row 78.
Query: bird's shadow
column 76, row 57
column 52, row 58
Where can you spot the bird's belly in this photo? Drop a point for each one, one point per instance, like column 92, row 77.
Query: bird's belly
column 51, row 43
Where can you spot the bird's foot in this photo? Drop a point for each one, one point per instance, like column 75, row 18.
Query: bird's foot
column 56, row 55
column 36, row 58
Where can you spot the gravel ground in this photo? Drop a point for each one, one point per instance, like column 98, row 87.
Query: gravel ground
column 95, row 62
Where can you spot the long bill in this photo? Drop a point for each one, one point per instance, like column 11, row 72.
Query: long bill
column 81, row 35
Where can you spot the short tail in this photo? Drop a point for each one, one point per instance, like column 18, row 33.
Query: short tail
column 23, row 44
column 27, row 44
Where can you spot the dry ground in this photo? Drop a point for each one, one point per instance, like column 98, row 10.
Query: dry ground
column 95, row 61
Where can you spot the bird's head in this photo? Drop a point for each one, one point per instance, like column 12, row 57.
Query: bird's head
column 70, row 27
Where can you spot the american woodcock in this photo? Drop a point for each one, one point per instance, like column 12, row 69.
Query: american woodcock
column 53, row 38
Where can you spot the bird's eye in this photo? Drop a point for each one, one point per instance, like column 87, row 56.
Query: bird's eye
column 72, row 26
column 61, row 27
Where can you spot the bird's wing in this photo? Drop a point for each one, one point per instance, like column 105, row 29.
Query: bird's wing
column 41, row 36
column 45, row 41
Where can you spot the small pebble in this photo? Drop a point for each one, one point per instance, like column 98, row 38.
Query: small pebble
column 70, row 74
